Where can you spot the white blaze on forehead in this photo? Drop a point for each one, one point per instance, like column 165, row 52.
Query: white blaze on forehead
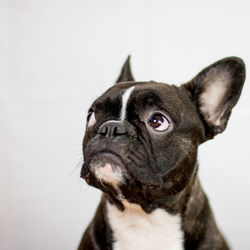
column 125, row 98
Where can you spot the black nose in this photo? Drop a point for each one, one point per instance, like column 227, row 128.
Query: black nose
column 112, row 129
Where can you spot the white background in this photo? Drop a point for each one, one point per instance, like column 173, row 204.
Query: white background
column 56, row 57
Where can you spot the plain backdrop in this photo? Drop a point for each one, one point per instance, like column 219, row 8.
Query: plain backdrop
column 56, row 57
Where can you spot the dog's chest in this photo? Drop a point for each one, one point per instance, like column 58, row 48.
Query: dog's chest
column 133, row 229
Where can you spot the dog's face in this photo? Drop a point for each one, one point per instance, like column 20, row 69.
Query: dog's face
column 142, row 137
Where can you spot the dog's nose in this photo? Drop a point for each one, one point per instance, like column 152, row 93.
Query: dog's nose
column 112, row 129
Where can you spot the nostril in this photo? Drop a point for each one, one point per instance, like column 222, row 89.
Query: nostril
column 112, row 129
column 103, row 130
column 120, row 130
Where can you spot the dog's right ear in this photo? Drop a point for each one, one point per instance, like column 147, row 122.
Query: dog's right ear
column 125, row 75
column 215, row 91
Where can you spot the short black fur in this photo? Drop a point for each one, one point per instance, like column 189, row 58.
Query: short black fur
column 160, row 169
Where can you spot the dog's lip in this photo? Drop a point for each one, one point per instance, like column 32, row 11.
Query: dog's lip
column 109, row 156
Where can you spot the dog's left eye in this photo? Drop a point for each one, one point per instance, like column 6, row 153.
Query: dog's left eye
column 91, row 119
column 159, row 122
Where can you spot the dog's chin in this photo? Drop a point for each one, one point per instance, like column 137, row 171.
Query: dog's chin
column 107, row 168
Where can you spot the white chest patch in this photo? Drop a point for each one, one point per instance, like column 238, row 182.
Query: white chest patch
column 133, row 229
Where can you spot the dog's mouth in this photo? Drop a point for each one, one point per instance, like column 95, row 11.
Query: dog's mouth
column 106, row 167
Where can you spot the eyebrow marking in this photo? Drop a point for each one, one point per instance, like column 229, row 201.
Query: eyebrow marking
column 125, row 98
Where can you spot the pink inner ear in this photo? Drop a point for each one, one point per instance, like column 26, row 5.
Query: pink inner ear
column 212, row 97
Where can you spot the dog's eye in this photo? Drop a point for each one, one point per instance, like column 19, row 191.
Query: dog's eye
column 91, row 119
column 158, row 122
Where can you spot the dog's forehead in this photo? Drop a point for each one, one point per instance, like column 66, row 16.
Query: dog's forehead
column 124, row 98
column 132, row 90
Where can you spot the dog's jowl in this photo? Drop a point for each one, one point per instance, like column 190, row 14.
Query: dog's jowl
column 140, row 150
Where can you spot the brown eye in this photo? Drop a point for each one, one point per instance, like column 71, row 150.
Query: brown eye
column 158, row 122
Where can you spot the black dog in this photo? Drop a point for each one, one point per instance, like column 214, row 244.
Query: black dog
column 140, row 149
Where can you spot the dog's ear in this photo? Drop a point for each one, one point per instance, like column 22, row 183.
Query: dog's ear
column 215, row 91
column 125, row 75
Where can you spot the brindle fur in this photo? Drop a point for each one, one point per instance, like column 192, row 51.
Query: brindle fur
column 201, row 233
column 174, row 187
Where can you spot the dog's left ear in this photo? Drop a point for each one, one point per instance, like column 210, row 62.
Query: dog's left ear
column 125, row 75
column 215, row 91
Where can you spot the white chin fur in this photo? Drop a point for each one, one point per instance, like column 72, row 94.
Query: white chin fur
column 108, row 173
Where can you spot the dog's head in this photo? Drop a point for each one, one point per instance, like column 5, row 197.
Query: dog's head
column 142, row 137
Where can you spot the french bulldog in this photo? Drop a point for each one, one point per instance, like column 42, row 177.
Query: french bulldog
column 140, row 150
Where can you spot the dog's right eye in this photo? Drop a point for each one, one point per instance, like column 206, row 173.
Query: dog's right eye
column 91, row 119
column 159, row 122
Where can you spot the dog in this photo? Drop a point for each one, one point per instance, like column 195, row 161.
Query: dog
column 140, row 150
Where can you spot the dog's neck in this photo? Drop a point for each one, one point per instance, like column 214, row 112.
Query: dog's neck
column 173, row 220
column 190, row 203
column 179, row 203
